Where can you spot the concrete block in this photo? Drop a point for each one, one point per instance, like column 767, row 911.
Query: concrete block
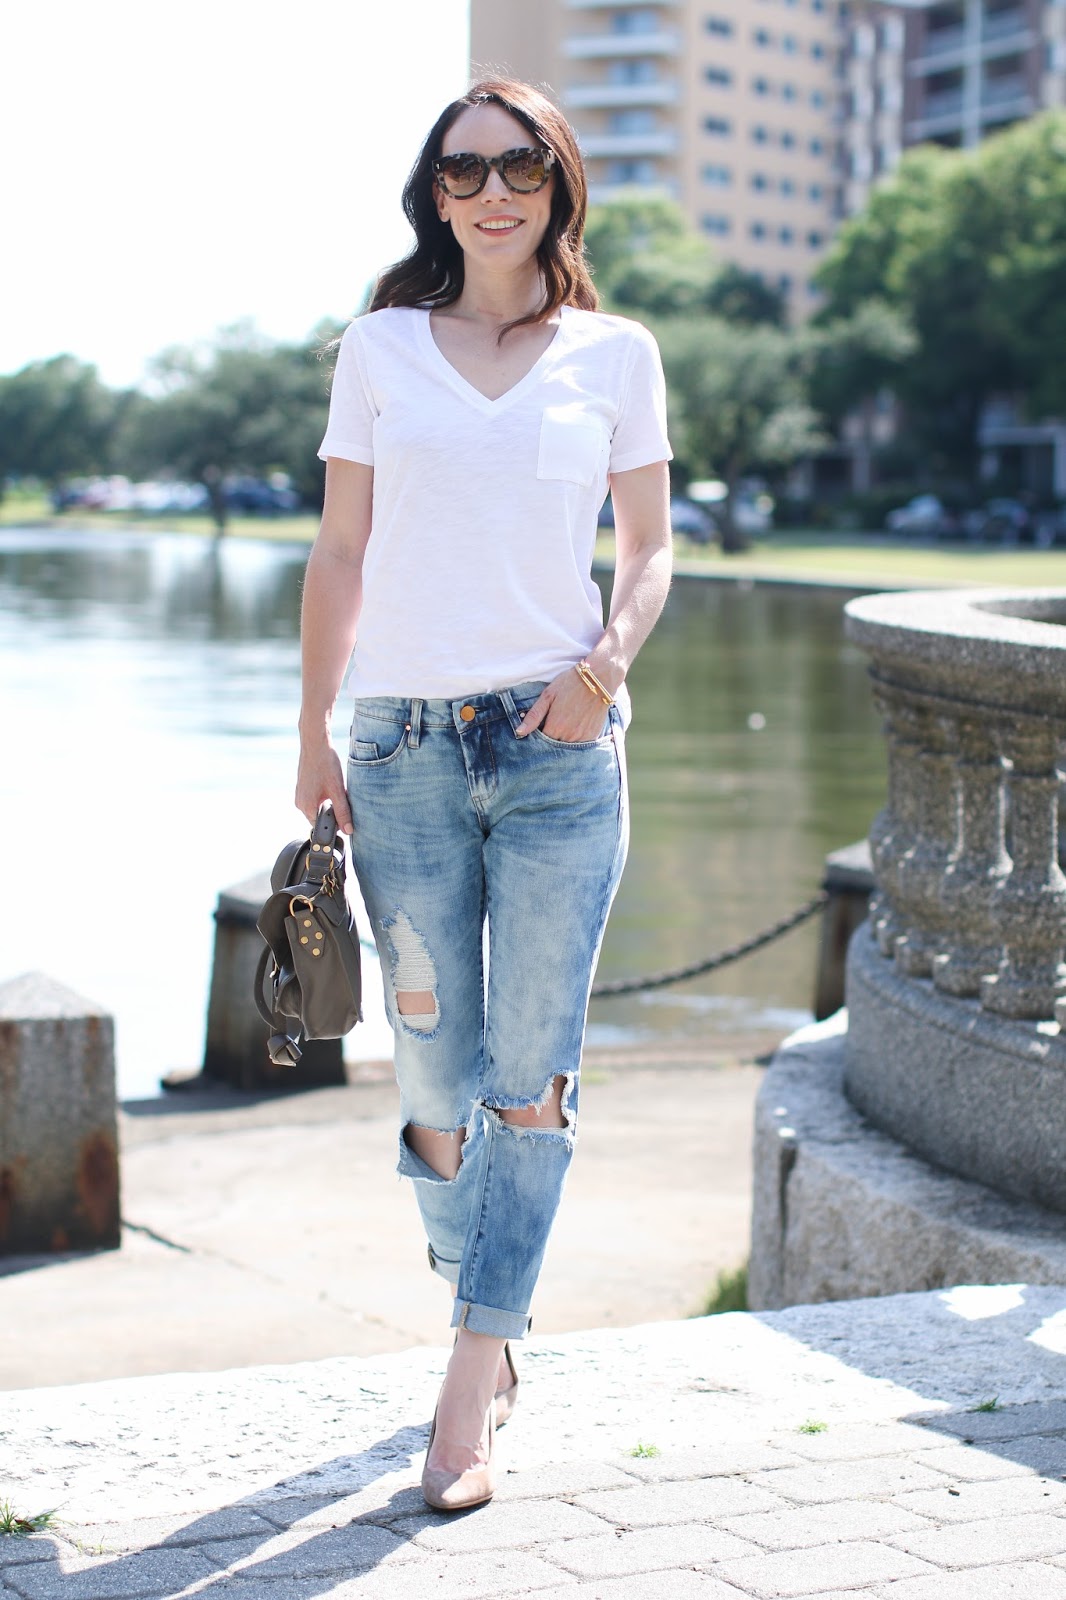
column 811, row 1572
column 146, row 1573
column 500, row 1527
column 59, row 1171
column 978, row 1544
column 613, row 1555
column 235, row 1049
column 674, row 1584
column 658, row 1505
column 799, row 1527
column 820, row 1485
column 1027, row 1580
column 841, row 1211
column 998, row 1497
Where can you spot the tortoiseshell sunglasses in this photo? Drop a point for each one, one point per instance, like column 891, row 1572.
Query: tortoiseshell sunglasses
column 464, row 175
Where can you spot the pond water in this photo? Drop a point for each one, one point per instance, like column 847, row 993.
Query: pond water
column 149, row 688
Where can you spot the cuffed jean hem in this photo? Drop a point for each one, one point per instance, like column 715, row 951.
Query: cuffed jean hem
column 489, row 1319
column 447, row 1269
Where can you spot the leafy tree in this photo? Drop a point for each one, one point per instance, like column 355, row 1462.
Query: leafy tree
column 250, row 406
column 56, row 419
column 971, row 248
column 738, row 401
column 648, row 261
column 851, row 360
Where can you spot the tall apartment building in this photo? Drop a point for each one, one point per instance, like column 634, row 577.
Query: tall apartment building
column 945, row 71
column 727, row 106
column 770, row 120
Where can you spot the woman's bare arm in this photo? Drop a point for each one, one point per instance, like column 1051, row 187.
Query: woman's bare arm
column 641, row 499
column 333, row 592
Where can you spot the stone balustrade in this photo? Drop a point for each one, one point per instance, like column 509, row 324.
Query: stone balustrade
column 955, row 1002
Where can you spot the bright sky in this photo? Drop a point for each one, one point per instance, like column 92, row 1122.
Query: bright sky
column 172, row 168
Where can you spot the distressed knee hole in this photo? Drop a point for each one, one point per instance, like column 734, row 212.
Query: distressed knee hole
column 439, row 1149
column 414, row 976
column 548, row 1112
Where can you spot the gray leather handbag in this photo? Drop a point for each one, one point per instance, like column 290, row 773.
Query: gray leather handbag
column 308, row 982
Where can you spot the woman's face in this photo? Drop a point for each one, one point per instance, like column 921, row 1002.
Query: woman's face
column 497, row 226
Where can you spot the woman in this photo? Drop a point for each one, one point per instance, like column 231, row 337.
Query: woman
column 479, row 413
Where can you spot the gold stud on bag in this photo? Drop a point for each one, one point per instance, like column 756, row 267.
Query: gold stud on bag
column 308, row 981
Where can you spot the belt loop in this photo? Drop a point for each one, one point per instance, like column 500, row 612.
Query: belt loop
column 507, row 701
column 416, row 724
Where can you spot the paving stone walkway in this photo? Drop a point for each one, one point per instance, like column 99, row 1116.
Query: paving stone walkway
column 911, row 1448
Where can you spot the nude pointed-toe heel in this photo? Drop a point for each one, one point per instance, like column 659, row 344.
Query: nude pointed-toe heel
column 460, row 1491
column 507, row 1398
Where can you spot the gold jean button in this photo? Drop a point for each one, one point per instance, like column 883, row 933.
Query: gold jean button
column 468, row 713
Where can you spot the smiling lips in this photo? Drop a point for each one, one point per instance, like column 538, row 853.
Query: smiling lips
column 499, row 224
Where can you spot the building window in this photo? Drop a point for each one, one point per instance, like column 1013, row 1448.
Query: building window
column 788, row 44
column 818, row 50
column 784, row 283
column 717, row 125
column 761, row 85
column 815, row 240
column 816, row 192
column 720, row 26
column 787, row 186
column 634, row 22
column 817, row 99
column 719, row 75
column 639, row 69
column 717, row 177
column 639, row 120
column 817, row 147
column 758, row 230
column 637, row 172
column 762, row 38
column 717, row 225
column 817, row 5
column 786, row 235
column 788, row 91
column 760, row 181
column 788, row 140
column 759, row 133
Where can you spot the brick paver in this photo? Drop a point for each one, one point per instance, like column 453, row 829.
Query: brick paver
column 294, row 1483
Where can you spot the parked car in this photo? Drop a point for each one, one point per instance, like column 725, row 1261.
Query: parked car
column 686, row 517
column 254, row 495
column 926, row 516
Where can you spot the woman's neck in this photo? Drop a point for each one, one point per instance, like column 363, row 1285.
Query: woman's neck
column 495, row 298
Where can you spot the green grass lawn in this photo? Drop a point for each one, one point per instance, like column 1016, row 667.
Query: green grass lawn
column 862, row 561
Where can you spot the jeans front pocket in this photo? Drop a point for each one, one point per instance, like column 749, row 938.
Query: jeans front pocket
column 364, row 752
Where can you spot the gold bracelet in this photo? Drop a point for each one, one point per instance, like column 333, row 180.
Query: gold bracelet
column 591, row 682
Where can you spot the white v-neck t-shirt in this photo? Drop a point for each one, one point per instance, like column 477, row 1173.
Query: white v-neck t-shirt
column 477, row 574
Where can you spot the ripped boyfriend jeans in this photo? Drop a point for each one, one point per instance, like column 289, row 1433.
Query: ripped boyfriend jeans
column 458, row 822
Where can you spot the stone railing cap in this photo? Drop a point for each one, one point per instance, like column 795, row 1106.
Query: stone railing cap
column 1005, row 646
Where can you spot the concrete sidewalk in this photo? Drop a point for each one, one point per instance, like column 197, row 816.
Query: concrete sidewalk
column 276, row 1230
column 823, row 1451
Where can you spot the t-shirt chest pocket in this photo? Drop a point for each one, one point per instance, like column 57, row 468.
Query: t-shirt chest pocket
column 571, row 445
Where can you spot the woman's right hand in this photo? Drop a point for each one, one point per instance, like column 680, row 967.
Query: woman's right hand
column 319, row 778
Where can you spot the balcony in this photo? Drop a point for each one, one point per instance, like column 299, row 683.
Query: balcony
column 942, row 103
column 601, row 194
column 590, row 95
column 599, row 46
column 632, row 145
column 1005, row 25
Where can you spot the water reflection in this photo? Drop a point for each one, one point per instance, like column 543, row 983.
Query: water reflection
column 150, row 690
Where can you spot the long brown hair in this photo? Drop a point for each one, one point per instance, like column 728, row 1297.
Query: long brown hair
column 432, row 274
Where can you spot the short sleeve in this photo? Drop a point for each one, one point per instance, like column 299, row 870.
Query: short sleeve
column 639, row 436
column 350, row 430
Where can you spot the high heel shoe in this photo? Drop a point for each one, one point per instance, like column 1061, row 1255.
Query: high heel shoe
column 460, row 1491
column 506, row 1399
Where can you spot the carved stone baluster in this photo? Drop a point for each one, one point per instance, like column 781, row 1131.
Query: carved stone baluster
column 979, row 863
column 921, row 872
column 1030, row 907
column 892, row 832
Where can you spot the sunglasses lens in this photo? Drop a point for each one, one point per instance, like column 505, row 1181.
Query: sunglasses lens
column 526, row 171
column 461, row 176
